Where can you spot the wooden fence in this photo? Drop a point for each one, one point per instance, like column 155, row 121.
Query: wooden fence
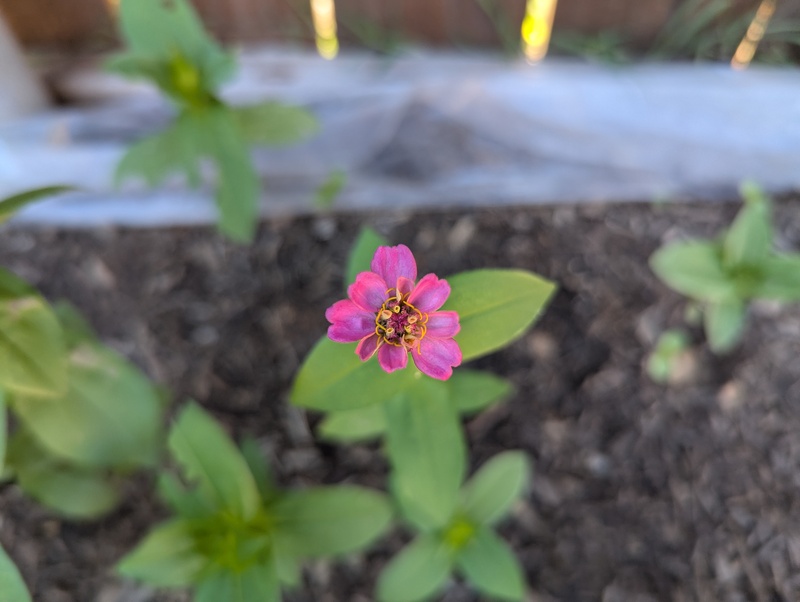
column 87, row 23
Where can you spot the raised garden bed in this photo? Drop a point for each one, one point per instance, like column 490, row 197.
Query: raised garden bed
column 640, row 492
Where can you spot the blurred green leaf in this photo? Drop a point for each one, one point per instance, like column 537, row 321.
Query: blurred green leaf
column 488, row 496
column 110, row 415
column 693, row 268
column 489, row 565
column 166, row 558
column 74, row 326
column 11, row 583
column 724, row 322
column 330, row 189
column 417, row 572
column 780, row 278
column 671, row 344
column 473, row 391
column 9, row 206
column 427, row 451
column 349, row 426
column 33, row 357
column 327, row 521
column 274, row 123
column 360, row 258
column 212, row 463
column 749, row 239
column 495, row 307
column 3, row 431
column 188, row 503
column 77, row 493
column 258, row 583
column 333, row 378
column 251, row 452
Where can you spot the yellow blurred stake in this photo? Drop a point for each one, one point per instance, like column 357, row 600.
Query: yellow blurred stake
column 323, row 12
column 536, row 28
column 758, row 27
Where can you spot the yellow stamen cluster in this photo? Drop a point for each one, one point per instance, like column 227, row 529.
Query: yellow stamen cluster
column 399, row 323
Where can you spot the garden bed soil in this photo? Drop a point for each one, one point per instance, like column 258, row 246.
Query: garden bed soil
column 641, row 492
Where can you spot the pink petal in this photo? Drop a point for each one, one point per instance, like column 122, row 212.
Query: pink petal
column 368, row 346
column 404, row 285
column 430, row 294
column 443, row 324
column 392, row 357
column 368, row 291
column 391, row 263
column 437, row 357
column 349, row 322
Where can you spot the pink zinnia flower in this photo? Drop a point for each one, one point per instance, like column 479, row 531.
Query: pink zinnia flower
column 392, row 316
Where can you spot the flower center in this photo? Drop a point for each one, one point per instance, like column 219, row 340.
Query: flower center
column 400, row 323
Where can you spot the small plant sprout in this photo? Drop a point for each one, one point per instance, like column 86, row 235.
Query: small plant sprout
column 664, row 359
column 235, row 534
column 166, row 44
column 725, row 274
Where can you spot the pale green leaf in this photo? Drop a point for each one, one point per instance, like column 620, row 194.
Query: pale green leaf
column 11, row 583
column 360, row 258
column 487, row 497
column 427, row 451
column 274, row 123
column 165, row 558
column 417, row 572
column 110, row 415
column 349, row 426
column 188, row 503
column 694, row 269
column 212, row 463
column 258, row 583
column 490, row 566
column 257, row 463
column 330, row 189
column 33, row 356
column 749, row 239
column 328, row 521
column 780, row 278
column 472, row 390
column 9, row 206
column 333, row 378
column 670, row 346
column 74, row 326
column 3, row 431
column 724, row 323
column 74, row 492
column 495, row 307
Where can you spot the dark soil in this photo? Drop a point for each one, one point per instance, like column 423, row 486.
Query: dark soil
column 641, row 492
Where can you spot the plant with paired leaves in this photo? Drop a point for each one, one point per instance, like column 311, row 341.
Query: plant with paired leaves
column 418, row 408
column 167, row 45
column 236, row 537
column 725, row 274
column 85, row 417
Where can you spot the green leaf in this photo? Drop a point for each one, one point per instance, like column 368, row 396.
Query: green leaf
column 693, row 268
column 3, row 431
column 188, row 503
column 333, row 378
column 671, row 344
column 166, row 558
column 33, row 357
column 427, row 451
column 328, row 521
column 330, row 189
column 110, row 415
column 470, row 391
column 489, row 565
column 274, row 123
column 256, row 583
column 780, row 278
column 749, row 239
column 349, row 426
column 417, row 572
column 494, row 488
column 176, row 149
column 74, row 492
column 495, row 307
column 74, row 326
column 360, row 258
column 724, row 323
column 211, row 461
column 251, row 452
column 11, row 583
column 473, row 391
column 10, row 205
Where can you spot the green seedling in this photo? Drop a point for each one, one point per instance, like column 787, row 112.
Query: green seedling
column 670, row 347
column 11, row 583
column 167, row 45
column 235, row 535
column 725, row 274
column 464, row 541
